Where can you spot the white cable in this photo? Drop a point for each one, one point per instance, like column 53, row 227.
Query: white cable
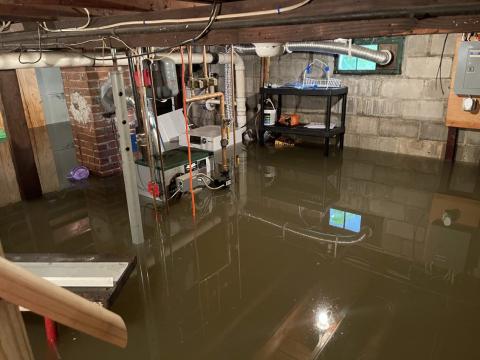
column 174, row 194
column 80, row 28
column 208, row 186
column 180, row 21
column 5, row 25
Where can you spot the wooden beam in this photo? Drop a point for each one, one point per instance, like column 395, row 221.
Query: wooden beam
column 315, row 11
column 138, row 5
column 122, row 5
column 17, row 130
column 20, row 287
column 322, row 31
column 14, row 342
column 37, row 128
column 316, row 20
column 8, row 181
column 31, row 12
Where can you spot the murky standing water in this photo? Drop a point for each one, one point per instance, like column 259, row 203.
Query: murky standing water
column 363, row 255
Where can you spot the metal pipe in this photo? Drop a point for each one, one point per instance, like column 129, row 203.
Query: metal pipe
column 224, row 131
column 190, row 62
column 234, row 120
column 136, row 97
column 381, row 57
column 204, row 59
column 159, row 138
column 147, row 128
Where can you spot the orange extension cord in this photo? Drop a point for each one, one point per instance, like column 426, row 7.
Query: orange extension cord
column 184, row 96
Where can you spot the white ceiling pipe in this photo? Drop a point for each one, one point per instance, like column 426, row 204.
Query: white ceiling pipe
column 10, row 61
column 34, row 59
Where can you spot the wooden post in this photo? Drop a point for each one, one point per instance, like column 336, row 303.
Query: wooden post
column 37, row 127
column 14, row 342
column 451, row 147
column 17, row 130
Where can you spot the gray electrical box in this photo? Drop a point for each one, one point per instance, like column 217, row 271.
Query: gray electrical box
column 467, row 78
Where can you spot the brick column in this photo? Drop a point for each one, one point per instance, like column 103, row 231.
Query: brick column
column 94, row 135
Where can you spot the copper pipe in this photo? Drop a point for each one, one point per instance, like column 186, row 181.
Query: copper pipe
column 205, row 65
column 234, row 113
column 190, row 63
column 224, row 131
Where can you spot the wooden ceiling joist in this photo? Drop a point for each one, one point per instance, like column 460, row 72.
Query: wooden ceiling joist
column 317, row 20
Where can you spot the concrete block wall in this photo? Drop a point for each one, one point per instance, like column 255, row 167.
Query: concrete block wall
column 402, row 114
column 95, row 136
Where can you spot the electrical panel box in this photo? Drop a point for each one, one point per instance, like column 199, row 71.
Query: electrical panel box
column 165, row 78
column 467, row 77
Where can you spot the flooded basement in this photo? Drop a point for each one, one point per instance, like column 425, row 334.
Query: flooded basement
column 363, row 255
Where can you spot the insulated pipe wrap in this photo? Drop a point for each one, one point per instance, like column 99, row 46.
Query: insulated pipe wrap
column 381, row 57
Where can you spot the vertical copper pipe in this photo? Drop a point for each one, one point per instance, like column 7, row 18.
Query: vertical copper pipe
column 234, row 112
column 190, row 63
column 205, row 65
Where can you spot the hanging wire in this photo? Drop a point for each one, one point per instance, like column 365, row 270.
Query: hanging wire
column 439, row 70
column 39, row 49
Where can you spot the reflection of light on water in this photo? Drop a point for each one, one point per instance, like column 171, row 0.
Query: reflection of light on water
column 323, row 319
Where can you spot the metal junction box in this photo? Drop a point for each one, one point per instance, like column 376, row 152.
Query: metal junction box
column 467, row 78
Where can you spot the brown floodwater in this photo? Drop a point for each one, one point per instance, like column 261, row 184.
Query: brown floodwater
column 363, row 255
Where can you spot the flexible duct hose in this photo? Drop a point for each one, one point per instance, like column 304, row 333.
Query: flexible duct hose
column 381, row 57
column 228, row 91
column 245, row 49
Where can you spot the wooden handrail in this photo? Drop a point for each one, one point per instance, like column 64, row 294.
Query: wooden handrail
column 22, row 288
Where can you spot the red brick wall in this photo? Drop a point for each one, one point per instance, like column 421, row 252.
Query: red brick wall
column 94, row 135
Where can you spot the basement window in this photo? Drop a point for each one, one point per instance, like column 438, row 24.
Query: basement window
column 345, row 64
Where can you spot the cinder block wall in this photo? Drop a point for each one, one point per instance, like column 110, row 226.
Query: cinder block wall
column 402, row 114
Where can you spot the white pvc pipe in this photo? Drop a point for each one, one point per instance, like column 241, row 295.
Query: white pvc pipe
column 34, row 59
column 12, row 61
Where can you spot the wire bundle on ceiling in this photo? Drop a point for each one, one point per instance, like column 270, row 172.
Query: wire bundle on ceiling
column 85, row 27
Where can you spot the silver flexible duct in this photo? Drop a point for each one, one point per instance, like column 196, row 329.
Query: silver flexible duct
column 381, row 57
column 228, row 88
column 245, row 49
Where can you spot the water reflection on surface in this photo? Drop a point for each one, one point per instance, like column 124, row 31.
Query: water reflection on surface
column 361, row 256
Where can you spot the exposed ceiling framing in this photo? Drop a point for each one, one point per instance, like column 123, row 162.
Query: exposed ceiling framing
column 317, row 20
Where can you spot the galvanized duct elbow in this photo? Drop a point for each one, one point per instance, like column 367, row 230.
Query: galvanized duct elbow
column 381, row 57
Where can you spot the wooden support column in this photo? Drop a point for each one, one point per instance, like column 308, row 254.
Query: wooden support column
column 14, row 342
column 8, row 180
column 17, row 130
column 37, row 127
column 451, row 148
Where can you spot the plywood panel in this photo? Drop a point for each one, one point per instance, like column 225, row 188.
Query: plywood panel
column 456, row 117
column 10, row 192
column 20, row 145
column 42, row 149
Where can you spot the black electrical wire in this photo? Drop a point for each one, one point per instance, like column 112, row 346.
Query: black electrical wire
column 216, row 7
column 439, row 70
column 39, row 49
